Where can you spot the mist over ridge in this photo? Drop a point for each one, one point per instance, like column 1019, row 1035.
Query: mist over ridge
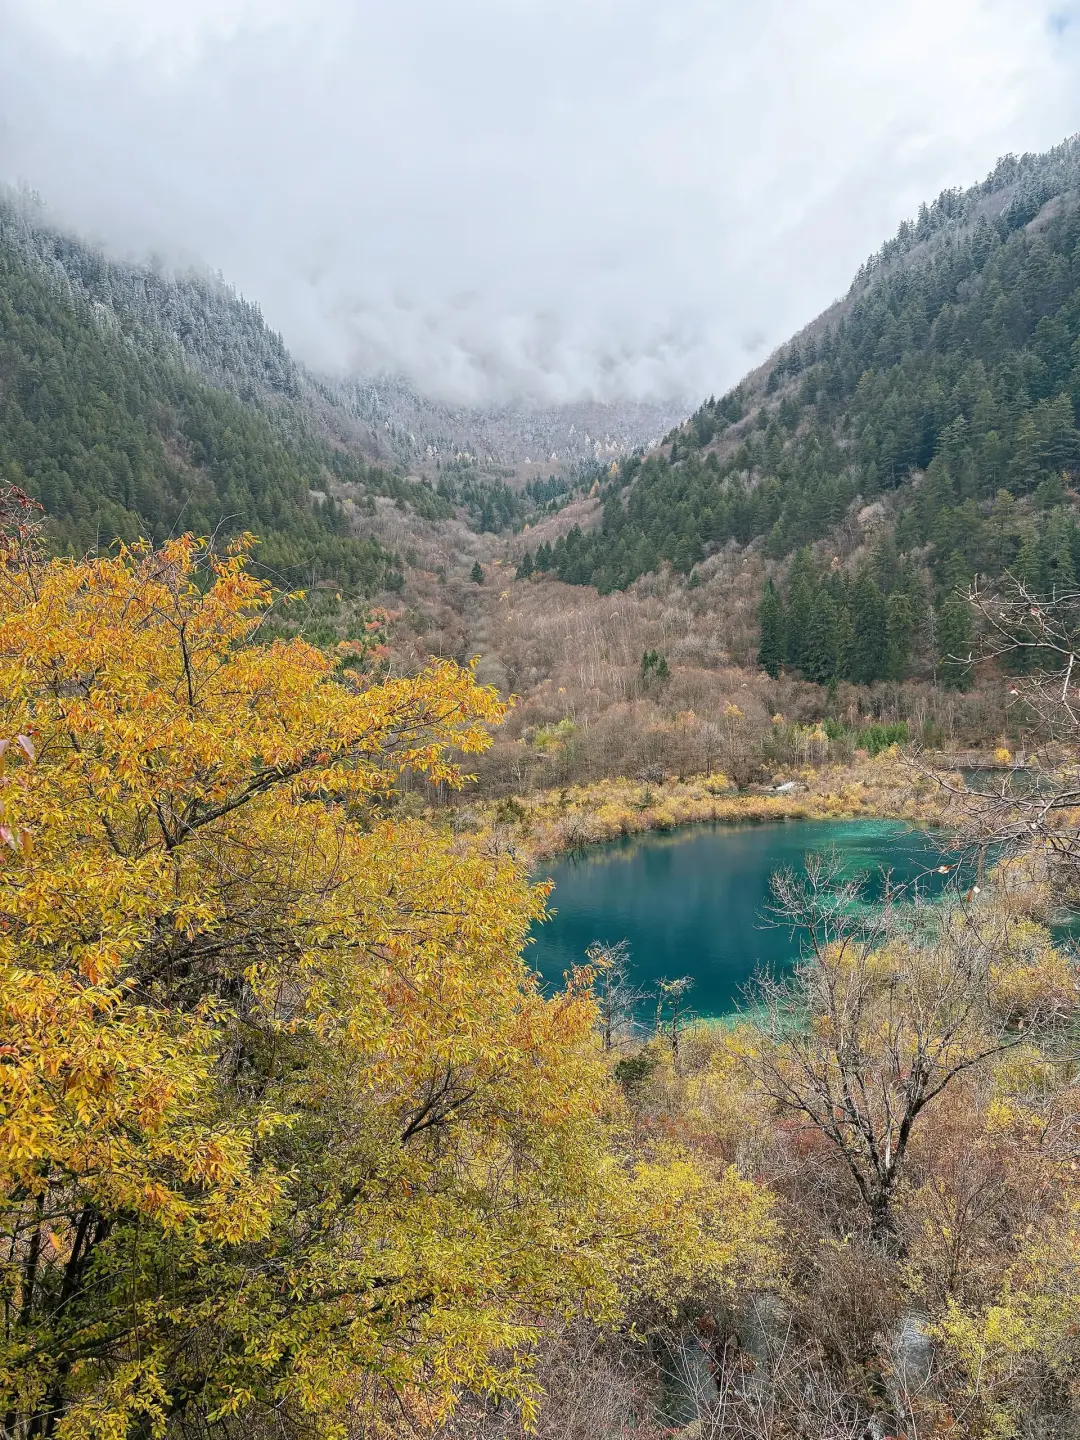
column 542, row 203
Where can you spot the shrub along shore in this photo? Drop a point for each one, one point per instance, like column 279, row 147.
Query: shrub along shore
column 552, row 822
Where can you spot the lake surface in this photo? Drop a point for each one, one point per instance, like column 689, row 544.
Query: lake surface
column 694, row 901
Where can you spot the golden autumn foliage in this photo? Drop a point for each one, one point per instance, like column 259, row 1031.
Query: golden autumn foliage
column 290, row 1137
column 1029, row 1330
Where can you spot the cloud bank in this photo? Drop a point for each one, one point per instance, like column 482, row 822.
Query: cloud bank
column 548, row 199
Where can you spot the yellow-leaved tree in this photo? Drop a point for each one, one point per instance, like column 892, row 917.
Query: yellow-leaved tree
column 289, row 1132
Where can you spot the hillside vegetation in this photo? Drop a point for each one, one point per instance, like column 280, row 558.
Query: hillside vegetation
column 945, row 391
column 107, row 420
column 137, row 401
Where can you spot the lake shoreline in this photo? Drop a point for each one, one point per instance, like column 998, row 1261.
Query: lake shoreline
column 545, row 824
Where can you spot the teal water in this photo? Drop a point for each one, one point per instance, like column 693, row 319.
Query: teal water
column 694, row 901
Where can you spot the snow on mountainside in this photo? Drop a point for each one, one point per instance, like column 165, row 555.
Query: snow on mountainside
column 198, row 316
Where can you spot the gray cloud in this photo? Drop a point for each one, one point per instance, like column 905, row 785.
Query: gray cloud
column 557, row 199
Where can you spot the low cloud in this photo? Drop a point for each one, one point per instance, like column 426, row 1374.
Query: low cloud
column 550, row 199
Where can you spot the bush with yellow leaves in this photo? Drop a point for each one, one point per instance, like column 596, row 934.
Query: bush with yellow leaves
column 290, row 1138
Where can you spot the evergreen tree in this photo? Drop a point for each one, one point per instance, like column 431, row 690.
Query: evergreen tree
column 819, row 653
column 771, row 621
column 868, row 619
column 954, row 643
column 900, row 635
column 845, row 644
column 654, row 667
column 803, row 589
column 1029, row 565
column 478, row 573
column 1058, row 566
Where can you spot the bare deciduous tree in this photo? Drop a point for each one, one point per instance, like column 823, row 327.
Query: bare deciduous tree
column 712, row 738
column 595, row 1385
column 1038, row 639
column 617, row 997
column 671, row 998
column 783, row 1390
column 874, row 1024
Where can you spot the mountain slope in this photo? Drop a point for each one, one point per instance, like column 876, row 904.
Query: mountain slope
column 516, row 436
column 134, row 401
column 943, row 392
column 106, row 422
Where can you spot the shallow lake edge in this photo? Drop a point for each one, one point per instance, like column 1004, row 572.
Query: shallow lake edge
column 545, row 824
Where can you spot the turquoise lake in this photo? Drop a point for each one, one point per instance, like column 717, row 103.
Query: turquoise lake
column 694, row 901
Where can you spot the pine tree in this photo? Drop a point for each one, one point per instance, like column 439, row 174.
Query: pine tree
column 1057, row 546
column 478, row 573
column 1029, row 567
column 900, row 635
column 868, row 620
column 845, row 643
column 771, row 621
column 819, row 653
column 803, row 588
column 654, row 667
column 954, row 643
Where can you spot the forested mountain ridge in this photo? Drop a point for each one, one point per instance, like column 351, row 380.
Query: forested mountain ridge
column 511, row 434
column 135, row 400
column 942, row 394
column 123, row 411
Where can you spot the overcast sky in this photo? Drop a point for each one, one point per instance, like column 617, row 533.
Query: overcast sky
column 552, row 198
